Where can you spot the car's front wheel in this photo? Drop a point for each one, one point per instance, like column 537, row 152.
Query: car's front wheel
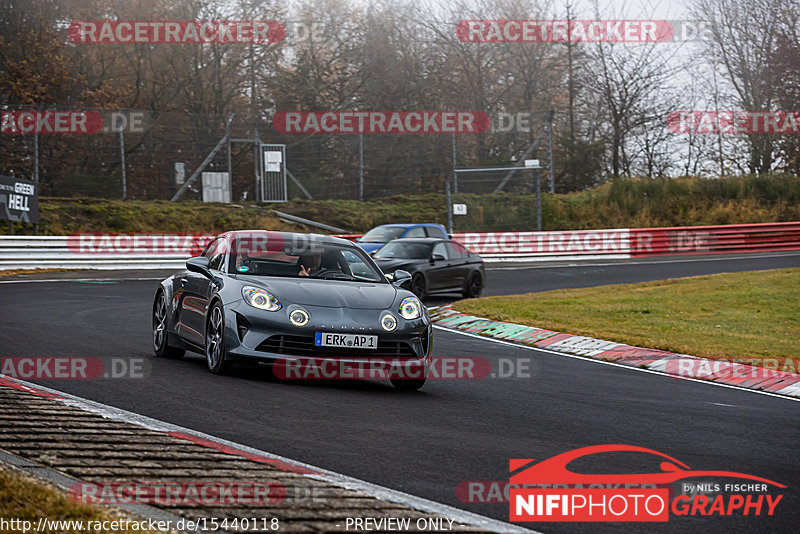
column 474, row 286
column 418, row 285
column 161, row 336
column 216, row 355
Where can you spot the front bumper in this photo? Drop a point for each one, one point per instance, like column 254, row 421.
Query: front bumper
column 255, row 335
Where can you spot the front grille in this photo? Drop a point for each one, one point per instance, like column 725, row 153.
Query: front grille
column 304, row 346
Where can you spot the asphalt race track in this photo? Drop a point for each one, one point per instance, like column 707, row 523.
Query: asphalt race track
column 452, row 431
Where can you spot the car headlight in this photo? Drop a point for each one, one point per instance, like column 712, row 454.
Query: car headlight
column 388, row 322
column 411, row 308
column 260, row 298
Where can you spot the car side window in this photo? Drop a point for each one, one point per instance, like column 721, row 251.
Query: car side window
column 435, row 232
column 440, row 249
column 419, row 231
column 209, row 250
column 453, row 251
column 216, row 254
column 459, row 249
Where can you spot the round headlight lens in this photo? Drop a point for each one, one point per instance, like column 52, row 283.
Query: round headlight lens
column 388, row 322
column 411, row 308
column 260, row 298
column 299, row 317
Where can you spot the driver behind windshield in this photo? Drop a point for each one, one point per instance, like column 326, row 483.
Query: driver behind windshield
column 310, row 264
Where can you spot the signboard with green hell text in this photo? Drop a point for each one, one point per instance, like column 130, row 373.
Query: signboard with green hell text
column 19, row 200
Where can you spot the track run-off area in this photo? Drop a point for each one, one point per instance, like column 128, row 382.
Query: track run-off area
column 452, row 432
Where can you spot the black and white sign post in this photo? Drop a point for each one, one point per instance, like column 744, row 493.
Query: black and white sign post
column 19, row 201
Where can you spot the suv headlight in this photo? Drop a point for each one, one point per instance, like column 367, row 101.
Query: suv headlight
column 260, row 298
column 411, row 308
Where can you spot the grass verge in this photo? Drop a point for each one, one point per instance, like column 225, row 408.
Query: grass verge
column 623, row 203
column 27, row 499
column 749, row 317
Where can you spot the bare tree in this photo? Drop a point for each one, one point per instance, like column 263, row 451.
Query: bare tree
column 744, row 36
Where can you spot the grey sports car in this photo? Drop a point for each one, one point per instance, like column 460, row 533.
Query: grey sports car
column 294, row 301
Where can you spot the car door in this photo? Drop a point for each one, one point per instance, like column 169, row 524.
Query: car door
column 459, row 263
column 439, row 272
column 196, row 290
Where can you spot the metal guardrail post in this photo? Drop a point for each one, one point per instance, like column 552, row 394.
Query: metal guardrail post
column 122, row 165
column 308, row 222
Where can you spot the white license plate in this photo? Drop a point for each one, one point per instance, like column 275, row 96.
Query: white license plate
column 348, row 341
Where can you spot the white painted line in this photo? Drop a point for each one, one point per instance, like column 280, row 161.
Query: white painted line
column 81, row 280
column 379, row 492
column 603, row 362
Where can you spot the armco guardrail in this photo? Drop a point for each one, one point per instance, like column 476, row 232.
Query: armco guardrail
column 139, row 251
column 625, row 243
column 99, row 251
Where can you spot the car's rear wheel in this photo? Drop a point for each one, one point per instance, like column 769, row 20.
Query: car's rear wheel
column 408, row 384
column 216, row 355
column 474, row 286
column 161, row 334
column 418, row 285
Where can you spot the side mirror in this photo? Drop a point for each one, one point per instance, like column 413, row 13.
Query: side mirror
column 437, row 257
column 401, row 278
column 199, row 264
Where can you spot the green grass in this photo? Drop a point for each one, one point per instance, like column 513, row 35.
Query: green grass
column 624, row 203
column 25, row 498
column 751, row 316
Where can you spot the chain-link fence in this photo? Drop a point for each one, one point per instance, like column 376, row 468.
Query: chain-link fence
column 150, row 155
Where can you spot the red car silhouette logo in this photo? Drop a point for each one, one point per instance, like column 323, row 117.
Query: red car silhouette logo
column 554, row 470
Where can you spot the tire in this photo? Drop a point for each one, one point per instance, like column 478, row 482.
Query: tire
column 161, row 335
column 405, row 384
column 216, row 355
column 474, row 286
column 418, row 285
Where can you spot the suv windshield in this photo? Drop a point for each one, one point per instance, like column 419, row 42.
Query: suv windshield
column 383, row 234
column 405, row 251
column 312, row 260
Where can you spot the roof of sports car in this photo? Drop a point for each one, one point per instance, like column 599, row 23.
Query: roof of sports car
column 287, row 236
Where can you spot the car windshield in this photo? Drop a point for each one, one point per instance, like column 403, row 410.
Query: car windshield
column 405, row 251
column 311, row 260
column 383, row 234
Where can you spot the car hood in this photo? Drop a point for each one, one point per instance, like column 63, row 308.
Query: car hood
column 391, row 265
column 328, row 293
column 368, row 246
